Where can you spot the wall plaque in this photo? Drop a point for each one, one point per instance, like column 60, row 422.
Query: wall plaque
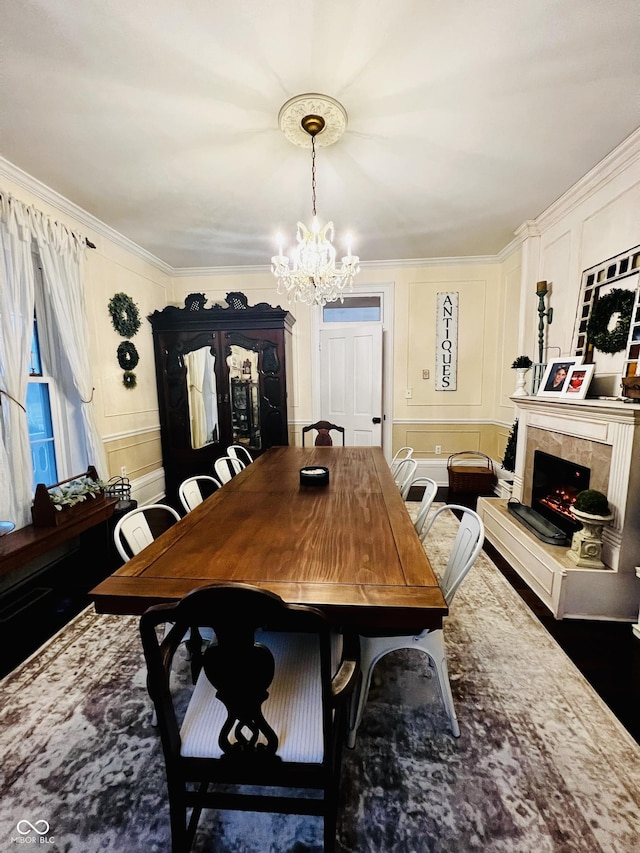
column 447, row 341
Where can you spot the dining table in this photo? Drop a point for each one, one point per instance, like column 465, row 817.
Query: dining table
column 347, row 546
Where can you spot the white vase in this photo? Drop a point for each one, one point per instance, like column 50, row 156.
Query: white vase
column 521, row 391
column 586, row 545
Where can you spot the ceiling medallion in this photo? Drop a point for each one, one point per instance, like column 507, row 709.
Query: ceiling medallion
column 291, row 115
column 310, row 120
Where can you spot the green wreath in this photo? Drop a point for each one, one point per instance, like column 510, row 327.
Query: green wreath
column 129, row 379
column 128, row 356
column 124, row 315
column 598, row 332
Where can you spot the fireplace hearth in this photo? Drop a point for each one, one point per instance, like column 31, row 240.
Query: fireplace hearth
column 555, row 485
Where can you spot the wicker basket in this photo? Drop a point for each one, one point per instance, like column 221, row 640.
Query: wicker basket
column 470, row 472
column 631, row 387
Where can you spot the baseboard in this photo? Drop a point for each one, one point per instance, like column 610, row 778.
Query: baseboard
column 149, row 489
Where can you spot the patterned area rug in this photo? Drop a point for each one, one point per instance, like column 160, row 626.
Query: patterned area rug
column 542, row 764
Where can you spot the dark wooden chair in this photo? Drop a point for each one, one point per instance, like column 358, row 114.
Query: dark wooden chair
column 265, row 710
column 324, row 428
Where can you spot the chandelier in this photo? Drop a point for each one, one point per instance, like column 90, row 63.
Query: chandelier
column 311, row 275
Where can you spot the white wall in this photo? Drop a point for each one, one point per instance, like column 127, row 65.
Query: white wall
column 597, row 218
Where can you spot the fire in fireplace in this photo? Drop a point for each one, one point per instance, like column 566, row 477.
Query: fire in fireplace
column 555, row 484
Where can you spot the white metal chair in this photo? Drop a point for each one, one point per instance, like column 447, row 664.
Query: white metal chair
column 466, row 547
column 430, row 491
column 399, row 455
column 239, row 452
column 226, row 467
column 190, row 491
column 133, row 529
column 404, row 474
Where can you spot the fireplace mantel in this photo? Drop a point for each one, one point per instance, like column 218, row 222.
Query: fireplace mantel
column 579, row 414
column 604, row 434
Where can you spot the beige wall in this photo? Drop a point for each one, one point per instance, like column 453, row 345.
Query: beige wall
column 454, row 420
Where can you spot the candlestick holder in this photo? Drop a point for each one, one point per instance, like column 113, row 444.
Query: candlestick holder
column 543, row 313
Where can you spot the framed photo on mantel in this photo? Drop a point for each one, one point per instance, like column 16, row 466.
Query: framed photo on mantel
column 578, row 382
column 556, row 376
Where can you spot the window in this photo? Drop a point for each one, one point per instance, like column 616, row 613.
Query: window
column 354, row 309
column 40, row 421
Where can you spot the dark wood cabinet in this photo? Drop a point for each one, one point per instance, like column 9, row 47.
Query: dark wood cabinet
column 222, row 379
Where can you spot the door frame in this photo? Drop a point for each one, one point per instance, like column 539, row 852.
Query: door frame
column 387, row 293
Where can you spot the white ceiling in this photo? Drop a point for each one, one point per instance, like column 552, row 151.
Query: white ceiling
column 465, row 117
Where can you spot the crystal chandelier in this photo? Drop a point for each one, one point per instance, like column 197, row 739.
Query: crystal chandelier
column 313, row 277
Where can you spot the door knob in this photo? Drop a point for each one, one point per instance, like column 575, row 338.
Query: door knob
column 376, row 420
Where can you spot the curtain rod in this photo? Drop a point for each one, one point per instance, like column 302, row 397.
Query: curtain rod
column 87, row 241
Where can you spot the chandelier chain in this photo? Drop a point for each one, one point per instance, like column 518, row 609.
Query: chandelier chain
column 311, row 274
column 313, row 174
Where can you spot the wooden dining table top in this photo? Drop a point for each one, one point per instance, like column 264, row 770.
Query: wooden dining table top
column 348, row 547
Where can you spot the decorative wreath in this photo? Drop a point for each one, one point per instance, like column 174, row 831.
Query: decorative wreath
column 617, row 301
column 129, row 379
column 128, row 356
column 124, row 315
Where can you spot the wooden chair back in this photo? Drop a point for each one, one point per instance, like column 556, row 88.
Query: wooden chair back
column 324, row 429
column 263, row 697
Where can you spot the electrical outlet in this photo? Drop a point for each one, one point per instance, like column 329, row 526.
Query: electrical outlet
column 438, row 449
column 425, row 374
column 408, row 394
column 123, row 471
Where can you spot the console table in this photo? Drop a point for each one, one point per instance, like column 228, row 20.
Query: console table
column 28, row 543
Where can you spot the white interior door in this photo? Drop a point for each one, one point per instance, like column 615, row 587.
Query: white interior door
column 351, row 381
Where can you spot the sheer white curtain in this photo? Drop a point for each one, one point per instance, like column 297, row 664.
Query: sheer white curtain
column 16, row 332
column 62, row 254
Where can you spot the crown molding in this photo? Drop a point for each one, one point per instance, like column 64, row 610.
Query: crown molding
column 606, row 170
column 96, row 226
column 467, row 260
column 181, row 272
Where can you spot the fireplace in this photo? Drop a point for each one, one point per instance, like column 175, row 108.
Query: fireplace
column 555, row 484
column 603, row 435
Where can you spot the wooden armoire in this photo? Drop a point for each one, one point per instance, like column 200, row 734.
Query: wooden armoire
column 222, row 379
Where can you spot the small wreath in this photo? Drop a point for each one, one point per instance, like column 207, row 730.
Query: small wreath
column 124, row 315
column 129, row 379
column 617, row 301
column 128, row 356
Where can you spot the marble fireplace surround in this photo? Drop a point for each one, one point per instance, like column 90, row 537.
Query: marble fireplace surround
column 603, row 435
column 580, row 451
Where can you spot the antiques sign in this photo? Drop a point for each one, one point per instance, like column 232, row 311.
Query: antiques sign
column 447, row 342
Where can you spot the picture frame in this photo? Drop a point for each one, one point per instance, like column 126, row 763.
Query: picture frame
column 556, row 376
column 578, row 382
